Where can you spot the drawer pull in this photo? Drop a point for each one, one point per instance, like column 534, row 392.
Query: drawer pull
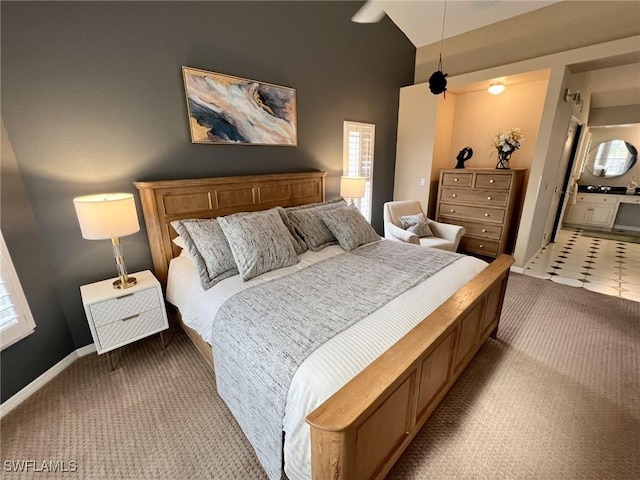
column 486, row 214
column 455, row 179
column 124, row 296
column 484, row 230
column 452, row 210
column 126, row 319
column 491, row 181
column 481, row 246
column 488, row 198
column 454, row 195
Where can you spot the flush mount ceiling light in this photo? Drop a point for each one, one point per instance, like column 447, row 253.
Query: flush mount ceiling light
column 496, row 88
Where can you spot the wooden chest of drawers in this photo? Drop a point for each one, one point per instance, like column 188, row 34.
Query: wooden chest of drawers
column 486, row 202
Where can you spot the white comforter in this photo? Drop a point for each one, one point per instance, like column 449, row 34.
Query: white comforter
column 337, row 361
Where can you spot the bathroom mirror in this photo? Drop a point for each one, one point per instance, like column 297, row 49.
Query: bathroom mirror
column 611, row 159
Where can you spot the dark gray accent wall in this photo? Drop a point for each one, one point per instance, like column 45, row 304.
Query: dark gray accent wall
column 93, row 99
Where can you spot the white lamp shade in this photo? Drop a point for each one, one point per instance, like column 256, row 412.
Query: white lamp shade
column 352, row 187
column 107, row 215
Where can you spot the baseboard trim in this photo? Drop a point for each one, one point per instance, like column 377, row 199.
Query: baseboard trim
column 43, row 379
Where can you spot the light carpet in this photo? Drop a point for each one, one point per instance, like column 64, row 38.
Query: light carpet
column 556, row 397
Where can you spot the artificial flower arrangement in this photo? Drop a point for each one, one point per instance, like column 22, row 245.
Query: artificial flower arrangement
column 506, row 143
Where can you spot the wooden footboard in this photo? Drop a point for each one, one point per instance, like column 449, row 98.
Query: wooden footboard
column 360, row 431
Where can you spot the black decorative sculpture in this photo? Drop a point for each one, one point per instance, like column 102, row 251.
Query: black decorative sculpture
column 465, row 154
column 438, row 82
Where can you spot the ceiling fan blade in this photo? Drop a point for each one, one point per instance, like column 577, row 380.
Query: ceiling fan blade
column 370, row 12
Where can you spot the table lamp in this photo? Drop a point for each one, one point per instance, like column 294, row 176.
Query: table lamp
column 352, row 187
column 109, row 216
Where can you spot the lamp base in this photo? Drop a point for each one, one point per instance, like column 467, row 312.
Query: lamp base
column 121, row 284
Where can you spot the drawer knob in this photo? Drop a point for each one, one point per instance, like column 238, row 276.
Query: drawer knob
column 484, row 230
column 455, row 179
column 452, row 210
column 481, row 246
column 486, row 214
column 126, row 319
column 488, row 198
column 454, row 195
column 491, row 181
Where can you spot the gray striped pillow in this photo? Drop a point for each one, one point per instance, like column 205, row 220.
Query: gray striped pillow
column 259, row 241
column 310, row 226
column 349, row 227
column 208, row 247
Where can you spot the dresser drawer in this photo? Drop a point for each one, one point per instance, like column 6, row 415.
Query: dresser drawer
column 124, row 306
column 482, row 247
column 493, row 232
column 457, row 179
column 597, row 198
column 478, row 197
column 494, row 215
column 492, row 180
column 130, row 328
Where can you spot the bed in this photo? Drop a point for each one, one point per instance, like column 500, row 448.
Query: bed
column 359, row 431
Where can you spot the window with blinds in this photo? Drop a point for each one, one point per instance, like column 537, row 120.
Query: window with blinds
column 358, row 148
column 16, row 321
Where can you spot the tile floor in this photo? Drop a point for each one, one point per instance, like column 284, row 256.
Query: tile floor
column 601, row 265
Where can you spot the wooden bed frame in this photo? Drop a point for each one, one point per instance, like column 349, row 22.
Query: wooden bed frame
column 360, row 431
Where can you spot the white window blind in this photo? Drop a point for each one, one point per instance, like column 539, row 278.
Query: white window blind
column 358, row 147
column 16, row 321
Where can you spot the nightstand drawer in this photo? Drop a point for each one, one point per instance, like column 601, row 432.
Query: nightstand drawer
column 130, row 328
column 471, row 212
column 478, row 197
column 475, row 245
column 489, row 180
column 457, row 179
column 124, row 306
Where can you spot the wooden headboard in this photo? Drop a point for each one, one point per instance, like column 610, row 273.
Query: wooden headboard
column 168, row 200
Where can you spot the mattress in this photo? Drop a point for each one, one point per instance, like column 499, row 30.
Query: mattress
column 333, row 364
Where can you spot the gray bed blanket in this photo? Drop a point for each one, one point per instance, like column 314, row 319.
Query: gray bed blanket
column 261, row 335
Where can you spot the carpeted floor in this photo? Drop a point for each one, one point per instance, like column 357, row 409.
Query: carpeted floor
column 556, row 397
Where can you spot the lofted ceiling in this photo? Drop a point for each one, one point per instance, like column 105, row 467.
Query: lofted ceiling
column 613, row 81
column 422, row 20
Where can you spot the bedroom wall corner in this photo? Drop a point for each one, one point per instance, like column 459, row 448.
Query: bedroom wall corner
column 51, row 341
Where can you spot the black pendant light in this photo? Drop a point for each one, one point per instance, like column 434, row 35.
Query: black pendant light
column 438, row 79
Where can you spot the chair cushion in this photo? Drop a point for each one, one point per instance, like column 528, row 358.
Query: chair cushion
column 418, row 224
column 435, row 242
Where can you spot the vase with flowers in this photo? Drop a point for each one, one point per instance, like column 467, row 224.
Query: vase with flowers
column 506, row 143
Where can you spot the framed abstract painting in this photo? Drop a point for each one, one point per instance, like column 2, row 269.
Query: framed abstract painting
column 233, row 110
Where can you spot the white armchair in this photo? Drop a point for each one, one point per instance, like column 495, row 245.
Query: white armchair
column 445, row 236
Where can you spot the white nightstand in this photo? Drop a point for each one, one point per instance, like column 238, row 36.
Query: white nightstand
column 120, row 317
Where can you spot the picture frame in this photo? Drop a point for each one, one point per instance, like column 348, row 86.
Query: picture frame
column 224, row 109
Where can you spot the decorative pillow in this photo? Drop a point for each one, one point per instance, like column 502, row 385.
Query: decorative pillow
column 310, row 226
column 208, row 247
column 259, row 241
column 298, row 243
column 418, row 224
column 349, row 227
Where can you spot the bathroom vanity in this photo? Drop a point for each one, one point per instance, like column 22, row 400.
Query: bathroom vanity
column 605, row 209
